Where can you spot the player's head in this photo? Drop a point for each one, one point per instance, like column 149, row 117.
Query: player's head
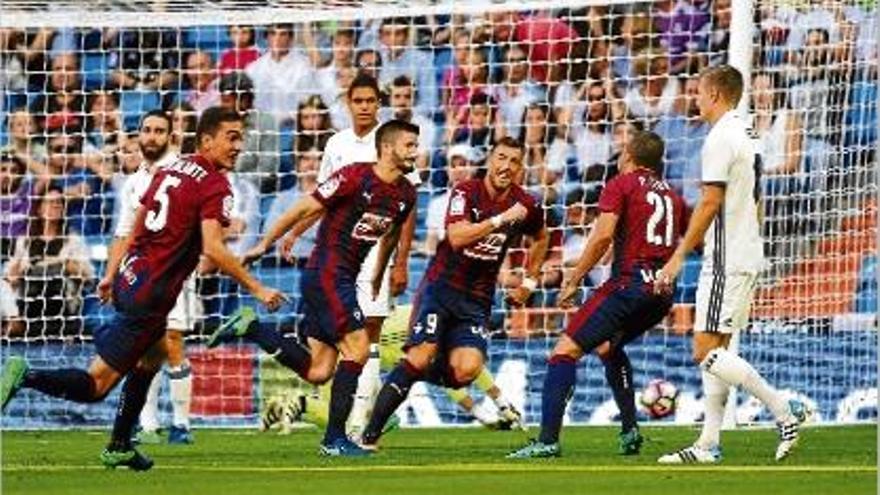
column 505, row 163
column 398, row 141
column 644, row 150
column 154, row 135
column 721, row 88
column 363, row 101
column 219, row 136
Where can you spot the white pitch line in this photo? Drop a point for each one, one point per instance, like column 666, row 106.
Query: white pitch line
column 514, row 467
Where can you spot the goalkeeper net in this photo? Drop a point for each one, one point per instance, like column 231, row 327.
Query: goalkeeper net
column 570, row 78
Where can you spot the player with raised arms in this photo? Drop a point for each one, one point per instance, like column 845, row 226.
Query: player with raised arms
column 643, row 218
column 727, row 216
column 181, row 217
column 362, row 204
column 447, row 345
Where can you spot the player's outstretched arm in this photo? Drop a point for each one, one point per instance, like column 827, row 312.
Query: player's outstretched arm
column 600, row 240
column 537, row 255
column 216, row 251
column 464, row 233
column 287, row 243
column 301, row 211
column 118, row 248
column 707, row 208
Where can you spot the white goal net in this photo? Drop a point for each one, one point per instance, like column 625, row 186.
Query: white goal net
column 569, row 78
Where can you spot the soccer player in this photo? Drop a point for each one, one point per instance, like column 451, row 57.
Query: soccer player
column 181, row 216
column 153, row 139
column 643, row 218
column 727, row 215
column 448, row 342
column 362, row 205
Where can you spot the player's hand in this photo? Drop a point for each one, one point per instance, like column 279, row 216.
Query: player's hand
column 105, row 290
column 285, row 248
column 254, row 254
column 664, row 284
column 518, row 297
column 272, row 299
column 566, row 295
column 399, row 279
column 515, row 213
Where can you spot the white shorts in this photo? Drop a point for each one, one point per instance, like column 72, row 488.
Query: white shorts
column 188, row 308
column 382, row 305
column 724, row 301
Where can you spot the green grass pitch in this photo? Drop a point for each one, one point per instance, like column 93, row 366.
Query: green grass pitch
column 834, row 460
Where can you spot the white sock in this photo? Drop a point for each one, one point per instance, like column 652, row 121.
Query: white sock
column 368, row 387
column 738, row 372
column 715, row 393
column 501, row 402
column 180, row 380
column 150, row 413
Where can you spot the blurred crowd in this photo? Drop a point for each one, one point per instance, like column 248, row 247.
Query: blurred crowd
column 570, row 83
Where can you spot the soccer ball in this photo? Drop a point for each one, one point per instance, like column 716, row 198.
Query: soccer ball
column 659, row 398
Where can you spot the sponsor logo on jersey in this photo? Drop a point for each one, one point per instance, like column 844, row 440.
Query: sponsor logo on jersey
column 371, row 227
column 488, row 249
column 328, row 187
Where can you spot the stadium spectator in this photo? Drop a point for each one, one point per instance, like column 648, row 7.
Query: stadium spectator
column 542, row 176
column 683, row 133
column 143, row 58
column 48, row 270
column 201, row 81
column 461, row 160
column 401, row 99
column 479, row 129
column 128, row 158
column 13, row 77
column 277, row 72
column 243, row 52
column 259, row 158
column 325, row 81
column 313, row 119
column 655, row 92
column 586, row 126
column 719, row 36
column 183, row 129
column 452, row 79
column 636, row 33
column 548, row 40
column 473, row 80
column 83, row 190
column 104, row 128
column 16, row 193
column 368, row 61
column 683, row 29
column 23, row 141
column 308, row 161
column 515, row 92
column 401, row 58
column 810, row 97
column 62, row 105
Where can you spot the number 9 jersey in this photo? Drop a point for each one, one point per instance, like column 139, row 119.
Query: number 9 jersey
column 651, row 218
column 166, row 247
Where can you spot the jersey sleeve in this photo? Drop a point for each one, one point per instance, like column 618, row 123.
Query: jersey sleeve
column 717, row 155
column 325, row 171
column 534, row 221
column 218, row 203
column 612, row 198
column 339, row 187
column 127, row 207
column 459, row 204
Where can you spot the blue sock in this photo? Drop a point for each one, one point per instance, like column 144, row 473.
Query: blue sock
column 392, row 394
column 70, row 384
column 134, row 395
column 341, row 399
column 286, row 349
column 618, row 373
column 558, row 387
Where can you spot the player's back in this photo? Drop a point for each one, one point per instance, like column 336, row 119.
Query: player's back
column 167, row 244
column 651, row 218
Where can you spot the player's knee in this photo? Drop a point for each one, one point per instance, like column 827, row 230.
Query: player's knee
column 319, row 375
column 101, row 387
column 463, row 373
column 567, row 347
column 420, row 357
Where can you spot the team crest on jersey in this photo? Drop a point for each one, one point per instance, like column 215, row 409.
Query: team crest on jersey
column 456, row 206
column 328, row 187
column 371, row 227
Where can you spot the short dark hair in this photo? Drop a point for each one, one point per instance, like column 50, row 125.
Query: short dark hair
column 212, row 118
column 388, row 131
column 509, row 142
column 344, row 33
column 7, row 156
column 646, row 149
column 727, row 79
column 402, row 82
column 364, row 81
column 162, row 114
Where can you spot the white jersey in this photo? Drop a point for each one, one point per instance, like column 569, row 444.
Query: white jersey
column 130, row 195
column 733, row 241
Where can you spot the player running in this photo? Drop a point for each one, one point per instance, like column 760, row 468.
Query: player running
column 643, row 218
column 448, row 342
column 363, row 204
column 153, row 138
column 182, row 215
column 727, row 214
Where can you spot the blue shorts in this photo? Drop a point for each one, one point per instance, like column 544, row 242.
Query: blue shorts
column 123, row 341
column 617, row 312
column 329, row 306
column 449, row 318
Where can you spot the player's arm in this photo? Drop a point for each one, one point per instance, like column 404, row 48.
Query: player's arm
column 464, row 233
column 286, row 247
column 706, row 210
column 214, row 248
column 536, row 256
column 302, row 210
column 386, row 246
column 600, row 240
column 399, row 273
column 118, row 248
